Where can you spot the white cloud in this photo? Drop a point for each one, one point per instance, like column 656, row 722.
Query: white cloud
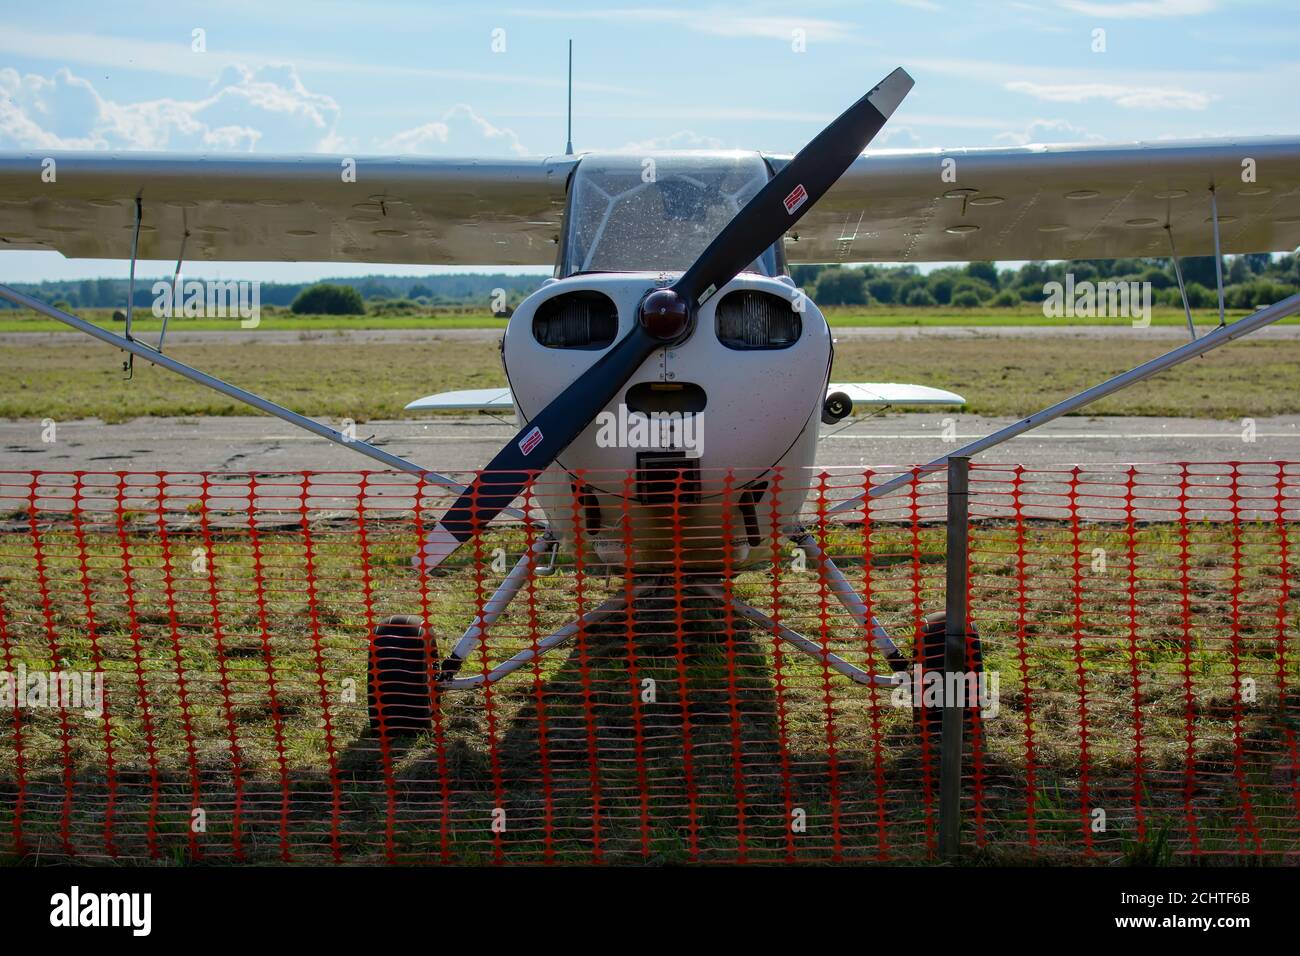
column 1046, row 131
column 1130, row 96
column 896, row 137
column 267, row 108
column 682, row 139
column 461, row 131
column 715, row 21
column 177, row 59
column 1140, row 9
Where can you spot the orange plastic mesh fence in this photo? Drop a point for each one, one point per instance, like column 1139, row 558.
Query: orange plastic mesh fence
column 187, row 661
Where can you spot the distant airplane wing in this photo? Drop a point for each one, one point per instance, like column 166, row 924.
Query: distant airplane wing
column 468, row 399
column 314, row 208
column 862, row 393
column 1055, row 202
column 894, row 393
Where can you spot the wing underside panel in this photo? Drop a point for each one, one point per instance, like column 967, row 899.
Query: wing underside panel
column 1056, row 202
column 1028, row 202
column 286, row 208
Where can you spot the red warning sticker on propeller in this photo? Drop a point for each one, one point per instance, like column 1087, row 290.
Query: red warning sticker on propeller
column 531, row 440
column 798, row 196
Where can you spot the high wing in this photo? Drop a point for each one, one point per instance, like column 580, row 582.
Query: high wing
column 1027, row 202
column 862, row 393
column 1056, row 202
column 315, row 208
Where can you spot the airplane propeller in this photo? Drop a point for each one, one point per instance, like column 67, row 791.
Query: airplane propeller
column 666, row 316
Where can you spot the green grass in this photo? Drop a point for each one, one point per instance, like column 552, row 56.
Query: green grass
column 279, row 319
column 271, row 320
column 547, row 739
column 318, row 377
column 1024, row 315
column 1005, row 376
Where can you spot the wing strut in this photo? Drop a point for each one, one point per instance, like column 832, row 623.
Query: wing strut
column 1219, row 336
column 176, row 288
column 129, row 365
column 1218, row 257
column 1178, row 274
column 155, row 357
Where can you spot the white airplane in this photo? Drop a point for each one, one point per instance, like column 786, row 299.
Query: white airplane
column 671, row 299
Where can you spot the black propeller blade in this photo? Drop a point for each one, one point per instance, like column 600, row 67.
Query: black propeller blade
column 539, row 443
column 793, row 191
column 666, row 316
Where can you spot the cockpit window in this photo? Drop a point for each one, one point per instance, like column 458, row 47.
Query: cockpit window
column 657, row 213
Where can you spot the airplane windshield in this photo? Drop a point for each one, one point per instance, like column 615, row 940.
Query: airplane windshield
column 657, row 213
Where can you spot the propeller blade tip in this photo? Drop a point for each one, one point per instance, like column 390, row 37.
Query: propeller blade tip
column 439, row 544
column 890, row 92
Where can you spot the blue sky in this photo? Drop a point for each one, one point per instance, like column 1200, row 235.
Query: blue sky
column 489, row 79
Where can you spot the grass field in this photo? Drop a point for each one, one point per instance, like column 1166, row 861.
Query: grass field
column 582, row 765
column 283, row 321
column 882, row 316
column 80, row 378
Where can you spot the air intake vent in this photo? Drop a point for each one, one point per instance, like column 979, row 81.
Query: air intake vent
column 757, row 320
column 576, row 320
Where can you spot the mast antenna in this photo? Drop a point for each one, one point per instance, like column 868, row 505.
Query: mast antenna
column 568, row 146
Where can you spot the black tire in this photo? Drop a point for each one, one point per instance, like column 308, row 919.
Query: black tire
column 930, row 640
column 836, row 407
column 398, row 692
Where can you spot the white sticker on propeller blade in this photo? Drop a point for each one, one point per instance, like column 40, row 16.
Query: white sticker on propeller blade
column 531, row 440
column 798, row 196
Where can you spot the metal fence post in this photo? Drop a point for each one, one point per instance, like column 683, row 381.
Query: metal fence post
column 954, row 659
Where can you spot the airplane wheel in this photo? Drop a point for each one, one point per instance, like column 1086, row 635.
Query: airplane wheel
column 836, row 407
column 398, row 677
column 930, row 639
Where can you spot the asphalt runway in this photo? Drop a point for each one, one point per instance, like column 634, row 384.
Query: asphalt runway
column 260, row 444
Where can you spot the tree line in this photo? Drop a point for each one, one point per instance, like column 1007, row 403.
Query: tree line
column 449, row 289
column 1249, row 281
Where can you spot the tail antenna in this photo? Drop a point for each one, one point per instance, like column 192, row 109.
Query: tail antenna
column 568, row 146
